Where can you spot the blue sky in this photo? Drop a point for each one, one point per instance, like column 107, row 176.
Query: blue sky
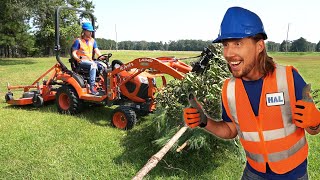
column 164, row 20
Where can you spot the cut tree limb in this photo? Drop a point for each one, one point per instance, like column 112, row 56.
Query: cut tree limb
column 153, row 161
column 180, row 148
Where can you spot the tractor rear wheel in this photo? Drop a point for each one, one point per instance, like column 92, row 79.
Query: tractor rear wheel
column 123, row 117
column 67, row 100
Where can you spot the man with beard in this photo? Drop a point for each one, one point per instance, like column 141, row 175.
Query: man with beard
column 262, row 103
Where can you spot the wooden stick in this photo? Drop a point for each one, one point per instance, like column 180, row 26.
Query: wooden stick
column 180, row 148
column 153, row 161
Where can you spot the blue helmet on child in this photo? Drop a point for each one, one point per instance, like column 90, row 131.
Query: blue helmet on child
column 240, row 23
column 87, row 26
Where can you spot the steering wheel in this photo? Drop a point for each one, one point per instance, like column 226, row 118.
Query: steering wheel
column 107, row 57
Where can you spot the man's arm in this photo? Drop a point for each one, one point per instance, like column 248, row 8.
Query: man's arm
column 97, row 52
column 195, row 116
column 75, row 56
column 75, row 47
column 222, row 129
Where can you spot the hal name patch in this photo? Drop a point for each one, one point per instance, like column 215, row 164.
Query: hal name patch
column 275, row 99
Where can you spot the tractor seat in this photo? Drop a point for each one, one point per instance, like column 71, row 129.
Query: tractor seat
column 84, row 72
column 77, row 69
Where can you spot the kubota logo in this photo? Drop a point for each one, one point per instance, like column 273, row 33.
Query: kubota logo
column 146, row 60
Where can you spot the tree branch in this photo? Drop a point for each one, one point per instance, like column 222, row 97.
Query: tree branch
column 153, row 161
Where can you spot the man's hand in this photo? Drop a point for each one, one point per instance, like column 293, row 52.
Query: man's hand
column 191, row 117
column 194, row 116
column 102, row 57
column 305, row 114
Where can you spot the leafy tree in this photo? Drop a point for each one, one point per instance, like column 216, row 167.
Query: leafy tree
column 126, row 45
column 106, row 44
column 273, row 46
column 284, row 46
column 141, row 45
column 166, row 46
column 299, row 45
column 171, row 101
column 155, row 46
column 43, row 21
column 160, row 46
column 14, row 37
column 311, row 47
column 317, row 49
column 172, row 46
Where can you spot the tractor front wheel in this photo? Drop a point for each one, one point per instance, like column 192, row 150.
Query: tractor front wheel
column 123, row 117
column 67, row 100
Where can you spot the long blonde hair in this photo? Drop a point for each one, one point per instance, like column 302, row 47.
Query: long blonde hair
column 266, row 63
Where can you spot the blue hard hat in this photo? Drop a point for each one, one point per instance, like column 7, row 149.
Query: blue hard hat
column 240, row 23
column 87, row 26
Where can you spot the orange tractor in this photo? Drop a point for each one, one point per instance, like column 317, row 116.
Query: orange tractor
column 131, row 86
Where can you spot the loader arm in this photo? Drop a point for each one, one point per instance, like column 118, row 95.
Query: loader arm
column 156, row 66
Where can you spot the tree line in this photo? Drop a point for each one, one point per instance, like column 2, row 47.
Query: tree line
column 179, row 45
column 299, row 45
column 27, row 29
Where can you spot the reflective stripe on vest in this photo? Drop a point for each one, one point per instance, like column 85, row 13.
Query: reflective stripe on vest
column 274, row 157
column 261, row 135
column 86, row 48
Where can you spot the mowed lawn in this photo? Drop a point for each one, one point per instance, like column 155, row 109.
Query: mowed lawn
column 39, row 143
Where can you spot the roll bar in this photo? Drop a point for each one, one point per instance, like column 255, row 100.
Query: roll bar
column 57, row 31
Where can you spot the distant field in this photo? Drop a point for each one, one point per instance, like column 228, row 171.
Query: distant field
column 39, row 143
column 306, row 63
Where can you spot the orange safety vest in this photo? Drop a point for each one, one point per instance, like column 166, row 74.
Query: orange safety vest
column 85, row 49
column 271, row 137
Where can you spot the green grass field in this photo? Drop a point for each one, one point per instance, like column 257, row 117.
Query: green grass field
column 39, row 143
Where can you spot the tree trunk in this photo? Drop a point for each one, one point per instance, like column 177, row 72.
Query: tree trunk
column 7, row 51
column 13, row 52
column 153, row 161
column 1, row 51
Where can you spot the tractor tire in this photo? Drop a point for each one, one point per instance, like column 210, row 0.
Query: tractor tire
column 116, row 63
column 67, row 100
column 37, row 101
column 142, row 113
column 9, row 96
column 124, row 117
